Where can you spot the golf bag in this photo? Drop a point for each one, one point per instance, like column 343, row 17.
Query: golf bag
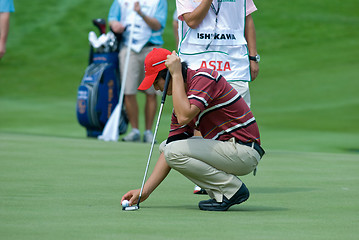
column 98, row 94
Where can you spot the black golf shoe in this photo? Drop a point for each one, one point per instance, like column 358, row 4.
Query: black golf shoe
column 212, row 205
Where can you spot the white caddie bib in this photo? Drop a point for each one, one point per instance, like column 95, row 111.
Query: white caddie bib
column 218, row 43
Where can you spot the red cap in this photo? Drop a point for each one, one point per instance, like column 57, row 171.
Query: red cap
column 154, row 63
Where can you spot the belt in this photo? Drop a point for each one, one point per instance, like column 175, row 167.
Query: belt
column 255, row 145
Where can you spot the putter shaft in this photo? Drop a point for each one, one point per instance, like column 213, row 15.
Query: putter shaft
column 155, row 134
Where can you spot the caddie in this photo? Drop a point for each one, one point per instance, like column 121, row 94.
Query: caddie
column 230, row 147
column 220, row 35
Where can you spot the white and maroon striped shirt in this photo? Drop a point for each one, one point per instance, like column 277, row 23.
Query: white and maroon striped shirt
column 224, row 114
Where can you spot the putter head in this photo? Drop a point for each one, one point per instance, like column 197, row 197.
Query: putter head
column 131, row 208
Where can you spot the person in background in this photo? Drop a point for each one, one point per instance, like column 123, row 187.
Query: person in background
column 149, row 18
column 6, row 7
column 175, row 27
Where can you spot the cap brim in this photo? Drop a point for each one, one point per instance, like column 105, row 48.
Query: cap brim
column 147, row 82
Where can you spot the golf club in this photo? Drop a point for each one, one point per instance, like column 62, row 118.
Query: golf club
column 164, row 94
column 100, row 23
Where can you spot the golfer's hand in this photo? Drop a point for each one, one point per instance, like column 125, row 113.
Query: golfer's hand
column 173, row 63
column 133, row 195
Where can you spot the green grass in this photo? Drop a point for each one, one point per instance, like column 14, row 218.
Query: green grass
column 57, row 184
column 68, row 188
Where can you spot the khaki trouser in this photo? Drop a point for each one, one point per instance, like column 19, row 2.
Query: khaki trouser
column 211, row 164
column 136, row 70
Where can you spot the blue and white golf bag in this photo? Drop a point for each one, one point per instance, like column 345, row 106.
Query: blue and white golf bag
column 98, row 94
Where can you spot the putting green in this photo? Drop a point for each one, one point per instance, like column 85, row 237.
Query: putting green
column 67, row 188
column 57, row 184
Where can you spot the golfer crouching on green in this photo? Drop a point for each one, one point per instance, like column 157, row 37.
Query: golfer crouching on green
column 230, row 147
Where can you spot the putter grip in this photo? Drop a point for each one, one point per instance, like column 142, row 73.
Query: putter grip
column 167, row 81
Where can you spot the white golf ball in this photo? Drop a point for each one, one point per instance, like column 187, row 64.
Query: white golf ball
column 125, row 203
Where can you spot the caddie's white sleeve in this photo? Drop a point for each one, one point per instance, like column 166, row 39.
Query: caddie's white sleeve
column 184, row 6
column 250, row 7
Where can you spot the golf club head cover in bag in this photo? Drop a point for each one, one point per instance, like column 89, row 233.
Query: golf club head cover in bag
column 98, row 94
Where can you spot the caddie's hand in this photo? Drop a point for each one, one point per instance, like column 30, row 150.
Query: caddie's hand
column 254, row 69
column 137, row 7
column 173, row 63
column 117, row 27
column 2, row 49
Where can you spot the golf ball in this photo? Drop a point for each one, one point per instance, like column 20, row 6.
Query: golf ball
column 125, row 203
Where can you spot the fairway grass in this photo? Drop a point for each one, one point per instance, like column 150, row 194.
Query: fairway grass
column 68, row 188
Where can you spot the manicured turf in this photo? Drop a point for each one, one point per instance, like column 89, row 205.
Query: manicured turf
column 66, row 188
column 57, row 184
